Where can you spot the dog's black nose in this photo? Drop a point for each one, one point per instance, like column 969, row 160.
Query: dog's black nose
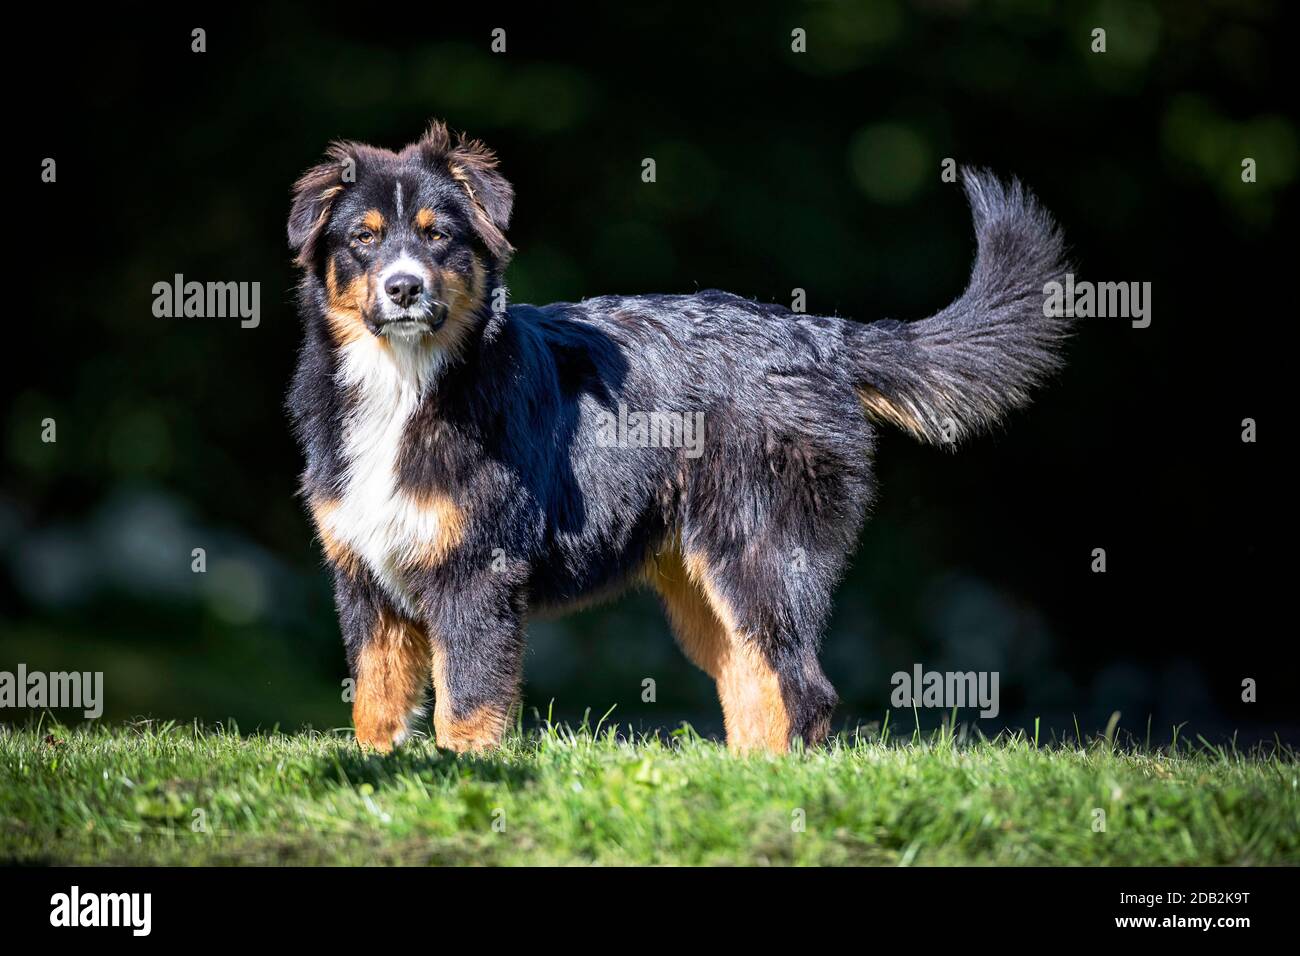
column 403, row 289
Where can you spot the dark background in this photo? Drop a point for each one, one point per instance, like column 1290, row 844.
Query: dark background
column 776, row 170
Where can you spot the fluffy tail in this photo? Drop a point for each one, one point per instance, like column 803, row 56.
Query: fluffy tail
column 957, row 372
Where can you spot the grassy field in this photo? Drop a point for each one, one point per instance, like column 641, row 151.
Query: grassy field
column 146, row 794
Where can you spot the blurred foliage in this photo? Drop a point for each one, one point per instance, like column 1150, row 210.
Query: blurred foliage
column 776, row 170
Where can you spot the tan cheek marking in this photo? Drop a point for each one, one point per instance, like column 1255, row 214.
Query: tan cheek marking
column 439, row 512
column 479, row 288
column 753, row 706
column 345, row 306
column 373, row 220
column 481, row 730
column 464, row 300
column 464, row 294
column 425, row 218
column 392, row 672
column 337, row 553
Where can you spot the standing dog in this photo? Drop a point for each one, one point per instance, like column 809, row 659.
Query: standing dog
column 469, row 464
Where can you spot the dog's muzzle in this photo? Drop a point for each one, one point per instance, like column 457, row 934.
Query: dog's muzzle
column 426, row 317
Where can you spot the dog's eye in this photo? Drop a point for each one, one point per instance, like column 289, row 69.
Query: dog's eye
column 433, row 235
column 365, row 237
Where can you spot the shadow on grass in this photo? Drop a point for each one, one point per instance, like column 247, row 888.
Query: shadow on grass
column 353, row 767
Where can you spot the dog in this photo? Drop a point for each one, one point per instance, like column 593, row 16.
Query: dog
column 469, row 463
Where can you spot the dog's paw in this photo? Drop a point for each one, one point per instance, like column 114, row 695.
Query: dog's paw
column 468, row 746
column 381, row 739
column 482, row 730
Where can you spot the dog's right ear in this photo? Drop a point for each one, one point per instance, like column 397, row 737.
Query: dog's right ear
column 313, row 198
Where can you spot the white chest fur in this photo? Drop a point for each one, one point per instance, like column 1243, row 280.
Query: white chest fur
column 386, row 529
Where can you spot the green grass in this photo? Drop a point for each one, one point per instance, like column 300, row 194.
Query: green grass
column 128, row 794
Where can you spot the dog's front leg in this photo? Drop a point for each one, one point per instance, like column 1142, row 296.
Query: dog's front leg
column 388, row 656
column 476, row 632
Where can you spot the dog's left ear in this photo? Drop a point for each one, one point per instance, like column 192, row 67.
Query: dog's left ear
column 474, row 166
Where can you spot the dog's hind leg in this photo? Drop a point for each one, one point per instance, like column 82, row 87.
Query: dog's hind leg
column 770, row 685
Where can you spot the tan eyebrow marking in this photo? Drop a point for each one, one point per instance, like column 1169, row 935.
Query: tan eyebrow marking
column 373, row 220
column 425, row 218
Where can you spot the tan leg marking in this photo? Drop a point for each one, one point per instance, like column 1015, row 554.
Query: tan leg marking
column 481, row 730
column 753, row 707
column 392, row 674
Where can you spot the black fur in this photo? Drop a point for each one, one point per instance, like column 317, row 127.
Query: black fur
column 773, row 504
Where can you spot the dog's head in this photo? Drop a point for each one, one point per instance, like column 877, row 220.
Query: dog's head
column 403, row 244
